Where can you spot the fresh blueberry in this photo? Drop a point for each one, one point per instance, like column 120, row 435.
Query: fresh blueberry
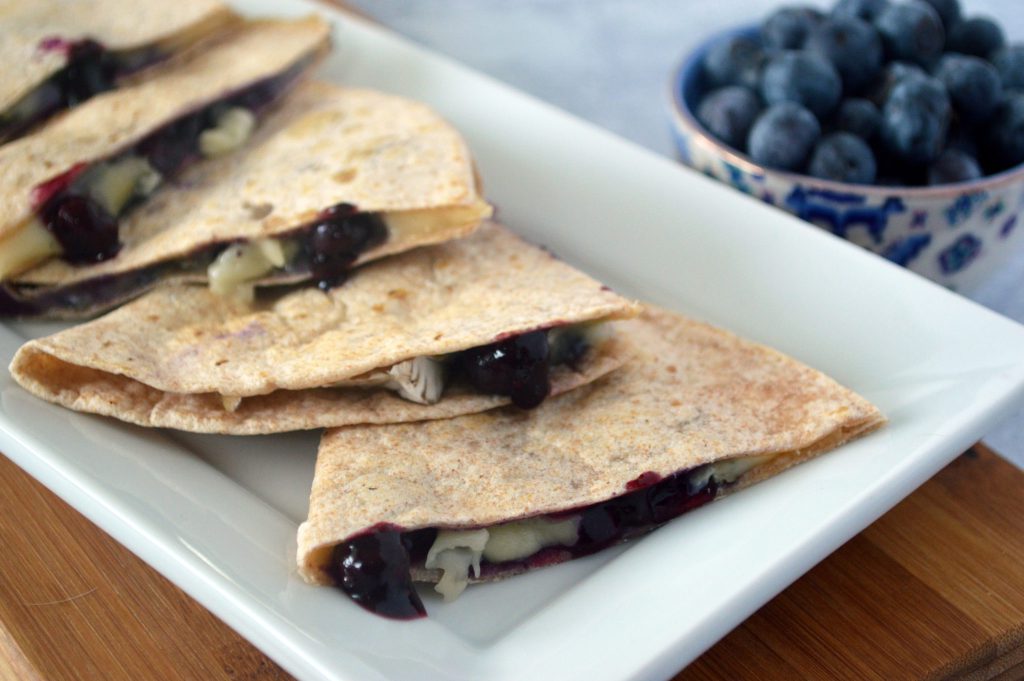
column 892, row 75
column 843, row 157
column 962, row 138
column 859, row 117
column 915, row 119
column 948, row 11
column 1009, row 62
column 737, row 61
column 973, row 85
column 783, row 136
column 728, row 113
column 86, row 232
column 953, row 166
column 803, row 78
column 853, row 47
column 860, row 9
column 912, row 31
column 978, row 36
column 788, row 28
column 1003, row 143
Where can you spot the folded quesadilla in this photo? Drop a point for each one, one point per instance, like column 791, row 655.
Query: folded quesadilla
column 334, row 178
column 64, row 188
column 59, row 53
column 698, row 413
column 452, row 329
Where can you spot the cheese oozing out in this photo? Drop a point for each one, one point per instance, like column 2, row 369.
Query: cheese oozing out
column 234, row 127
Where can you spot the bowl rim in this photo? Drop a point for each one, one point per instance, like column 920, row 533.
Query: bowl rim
column 685, row 119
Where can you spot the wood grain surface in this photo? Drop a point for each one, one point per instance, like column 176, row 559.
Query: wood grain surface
column 935, row 589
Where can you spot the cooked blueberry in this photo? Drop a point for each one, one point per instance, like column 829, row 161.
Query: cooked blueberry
column 953, row 166
column 948, row 11
column 1003, row 142
column 728, row 113
column 859, row 117
column 802, row 78
column 783, row 136
column 597, row 529
column 737, row 61
column 517, row 368
column 89, row 71
column 171, row 147
column 86, row 232
column 852, row 46
column 788, row 28
column 973, row 85
column 861, row 9
column 843, row 157
column 1009, row 62
column 374, row 571
column 978, row 36
column 912, row 31
column 337, row 239
column 915, row 119
column 892, row 75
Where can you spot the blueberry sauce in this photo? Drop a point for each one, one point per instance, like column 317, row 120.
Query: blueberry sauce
column 90, row 69
column 341, row 232
column 517, row 367
column 85, row 230
column 385, row 582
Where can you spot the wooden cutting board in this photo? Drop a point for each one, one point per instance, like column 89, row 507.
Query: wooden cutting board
column 935, row 589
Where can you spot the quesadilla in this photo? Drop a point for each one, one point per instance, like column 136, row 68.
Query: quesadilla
column 64, row 188
column 445, row 330
column 698, row 413
column 335, row 178
column 59, row 53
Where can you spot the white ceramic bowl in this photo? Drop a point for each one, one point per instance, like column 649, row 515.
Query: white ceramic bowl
column 954, row 234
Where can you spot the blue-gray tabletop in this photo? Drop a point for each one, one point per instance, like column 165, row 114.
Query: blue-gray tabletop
column 609, row 61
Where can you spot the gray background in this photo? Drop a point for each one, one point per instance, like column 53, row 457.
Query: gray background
column 609, row 61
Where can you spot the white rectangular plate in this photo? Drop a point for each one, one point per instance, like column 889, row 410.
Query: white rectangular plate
column 218, row 515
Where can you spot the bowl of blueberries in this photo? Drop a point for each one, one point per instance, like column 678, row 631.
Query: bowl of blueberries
column 895, row 124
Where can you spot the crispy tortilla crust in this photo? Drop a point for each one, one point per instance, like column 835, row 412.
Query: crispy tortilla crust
column 115, row 120
column 164, row 359
column 25, row 24
column 693, row 395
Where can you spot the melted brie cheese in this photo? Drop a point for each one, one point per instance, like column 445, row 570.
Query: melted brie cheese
column 26, row 247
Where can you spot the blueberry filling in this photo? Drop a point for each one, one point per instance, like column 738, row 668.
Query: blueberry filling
column 517, row 368
column 374, row 571
column 340, row 234
column 77, row 206
column 90, row 70
column 384, row 586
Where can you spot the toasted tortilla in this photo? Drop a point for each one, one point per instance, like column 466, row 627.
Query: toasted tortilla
column 326, row 145
column 113, row 121
column 27, row 25
column 166, row 359
column 692, row 395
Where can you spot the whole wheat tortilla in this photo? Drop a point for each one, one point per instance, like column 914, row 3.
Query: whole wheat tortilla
column 326, row 145
column 165, row 359
column 692, row 395
column 115, row 120
column 25, row 25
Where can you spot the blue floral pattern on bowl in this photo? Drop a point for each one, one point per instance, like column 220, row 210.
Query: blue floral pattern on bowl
column 954, row 234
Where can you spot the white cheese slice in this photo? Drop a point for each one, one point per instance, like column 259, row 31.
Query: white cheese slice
column 725, row 471
column 25, row 247
column 420, row 380
column 233, row 128
column 523, row 538
column 455, row 552
column 240, row 264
